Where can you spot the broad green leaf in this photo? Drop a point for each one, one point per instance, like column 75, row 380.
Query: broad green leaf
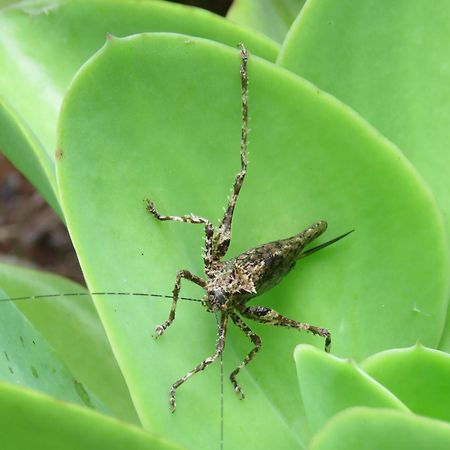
column 34, row 421
column 374, row 429
column 44, row 43
column 329, row 385
column 158, row 115
column 418, row 376
column 271, row 17
column 390, row 62
column 72, row 327
column 28, row 360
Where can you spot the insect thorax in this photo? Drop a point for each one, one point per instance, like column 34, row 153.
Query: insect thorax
column 227, row 283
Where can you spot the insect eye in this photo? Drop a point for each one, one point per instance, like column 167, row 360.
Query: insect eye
column 218, row 296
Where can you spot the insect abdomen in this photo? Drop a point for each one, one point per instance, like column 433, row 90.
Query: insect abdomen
column 269, row 263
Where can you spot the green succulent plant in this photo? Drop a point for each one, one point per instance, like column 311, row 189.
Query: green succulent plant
column 105, row 103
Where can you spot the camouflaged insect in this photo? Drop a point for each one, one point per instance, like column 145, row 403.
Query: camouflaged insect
column 229, row 285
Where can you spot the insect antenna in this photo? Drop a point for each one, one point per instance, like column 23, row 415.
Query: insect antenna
column 221, row 404
column 79, row 294
column 221, row 388
column 325, row 244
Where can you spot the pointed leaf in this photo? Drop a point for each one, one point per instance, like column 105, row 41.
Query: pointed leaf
column 418, row 376
column 373, row 429
column 329, row 385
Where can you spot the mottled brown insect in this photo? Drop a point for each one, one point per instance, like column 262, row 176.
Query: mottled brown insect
column 229, row 285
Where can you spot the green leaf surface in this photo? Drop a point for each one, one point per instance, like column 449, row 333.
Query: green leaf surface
column 270, row 17
column 28, row 360
column 390, row 62
column 34, row 421
column 6, row 2
column 44, row 43
column 374, row 429
column 72, row 327
column 158, row 116
column 418, row 376
column 329, row 385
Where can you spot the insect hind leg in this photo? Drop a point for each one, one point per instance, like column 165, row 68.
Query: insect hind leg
column 256, row 340
column 224, row 229
column 269, row 316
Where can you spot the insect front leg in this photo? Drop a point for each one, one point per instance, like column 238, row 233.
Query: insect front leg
column 189, row 218
column 270, row 316
column 219, row 349
column 176, row 290
column 256, row 342
column 224, row 229
column 209, row 229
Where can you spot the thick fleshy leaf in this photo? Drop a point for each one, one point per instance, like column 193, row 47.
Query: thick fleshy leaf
column 329, row 385
column 389, row 61
column 44, row 43
column 158, row 116
column 28, row 360
column 271, row 17
column 374, row 429
column 72, row 327
column 32, row 420
column 418, row 376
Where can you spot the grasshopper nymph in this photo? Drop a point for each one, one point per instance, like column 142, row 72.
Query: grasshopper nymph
column 230, row 284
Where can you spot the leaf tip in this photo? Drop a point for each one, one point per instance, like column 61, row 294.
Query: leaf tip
column 110, row 37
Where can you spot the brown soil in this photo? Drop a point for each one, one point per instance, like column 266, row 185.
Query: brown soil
column 31, row 234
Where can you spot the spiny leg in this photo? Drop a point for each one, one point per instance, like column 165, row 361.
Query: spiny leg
column 219, row 349
column 176, row 290
column 270, row 316
column 209, row 229
column 224, row 229
column 257, row 343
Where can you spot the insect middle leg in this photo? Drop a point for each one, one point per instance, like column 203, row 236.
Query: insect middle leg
column 256, row 342
column 175, row 293
column 270, row 316
column 224, row 229
column 205, row 363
